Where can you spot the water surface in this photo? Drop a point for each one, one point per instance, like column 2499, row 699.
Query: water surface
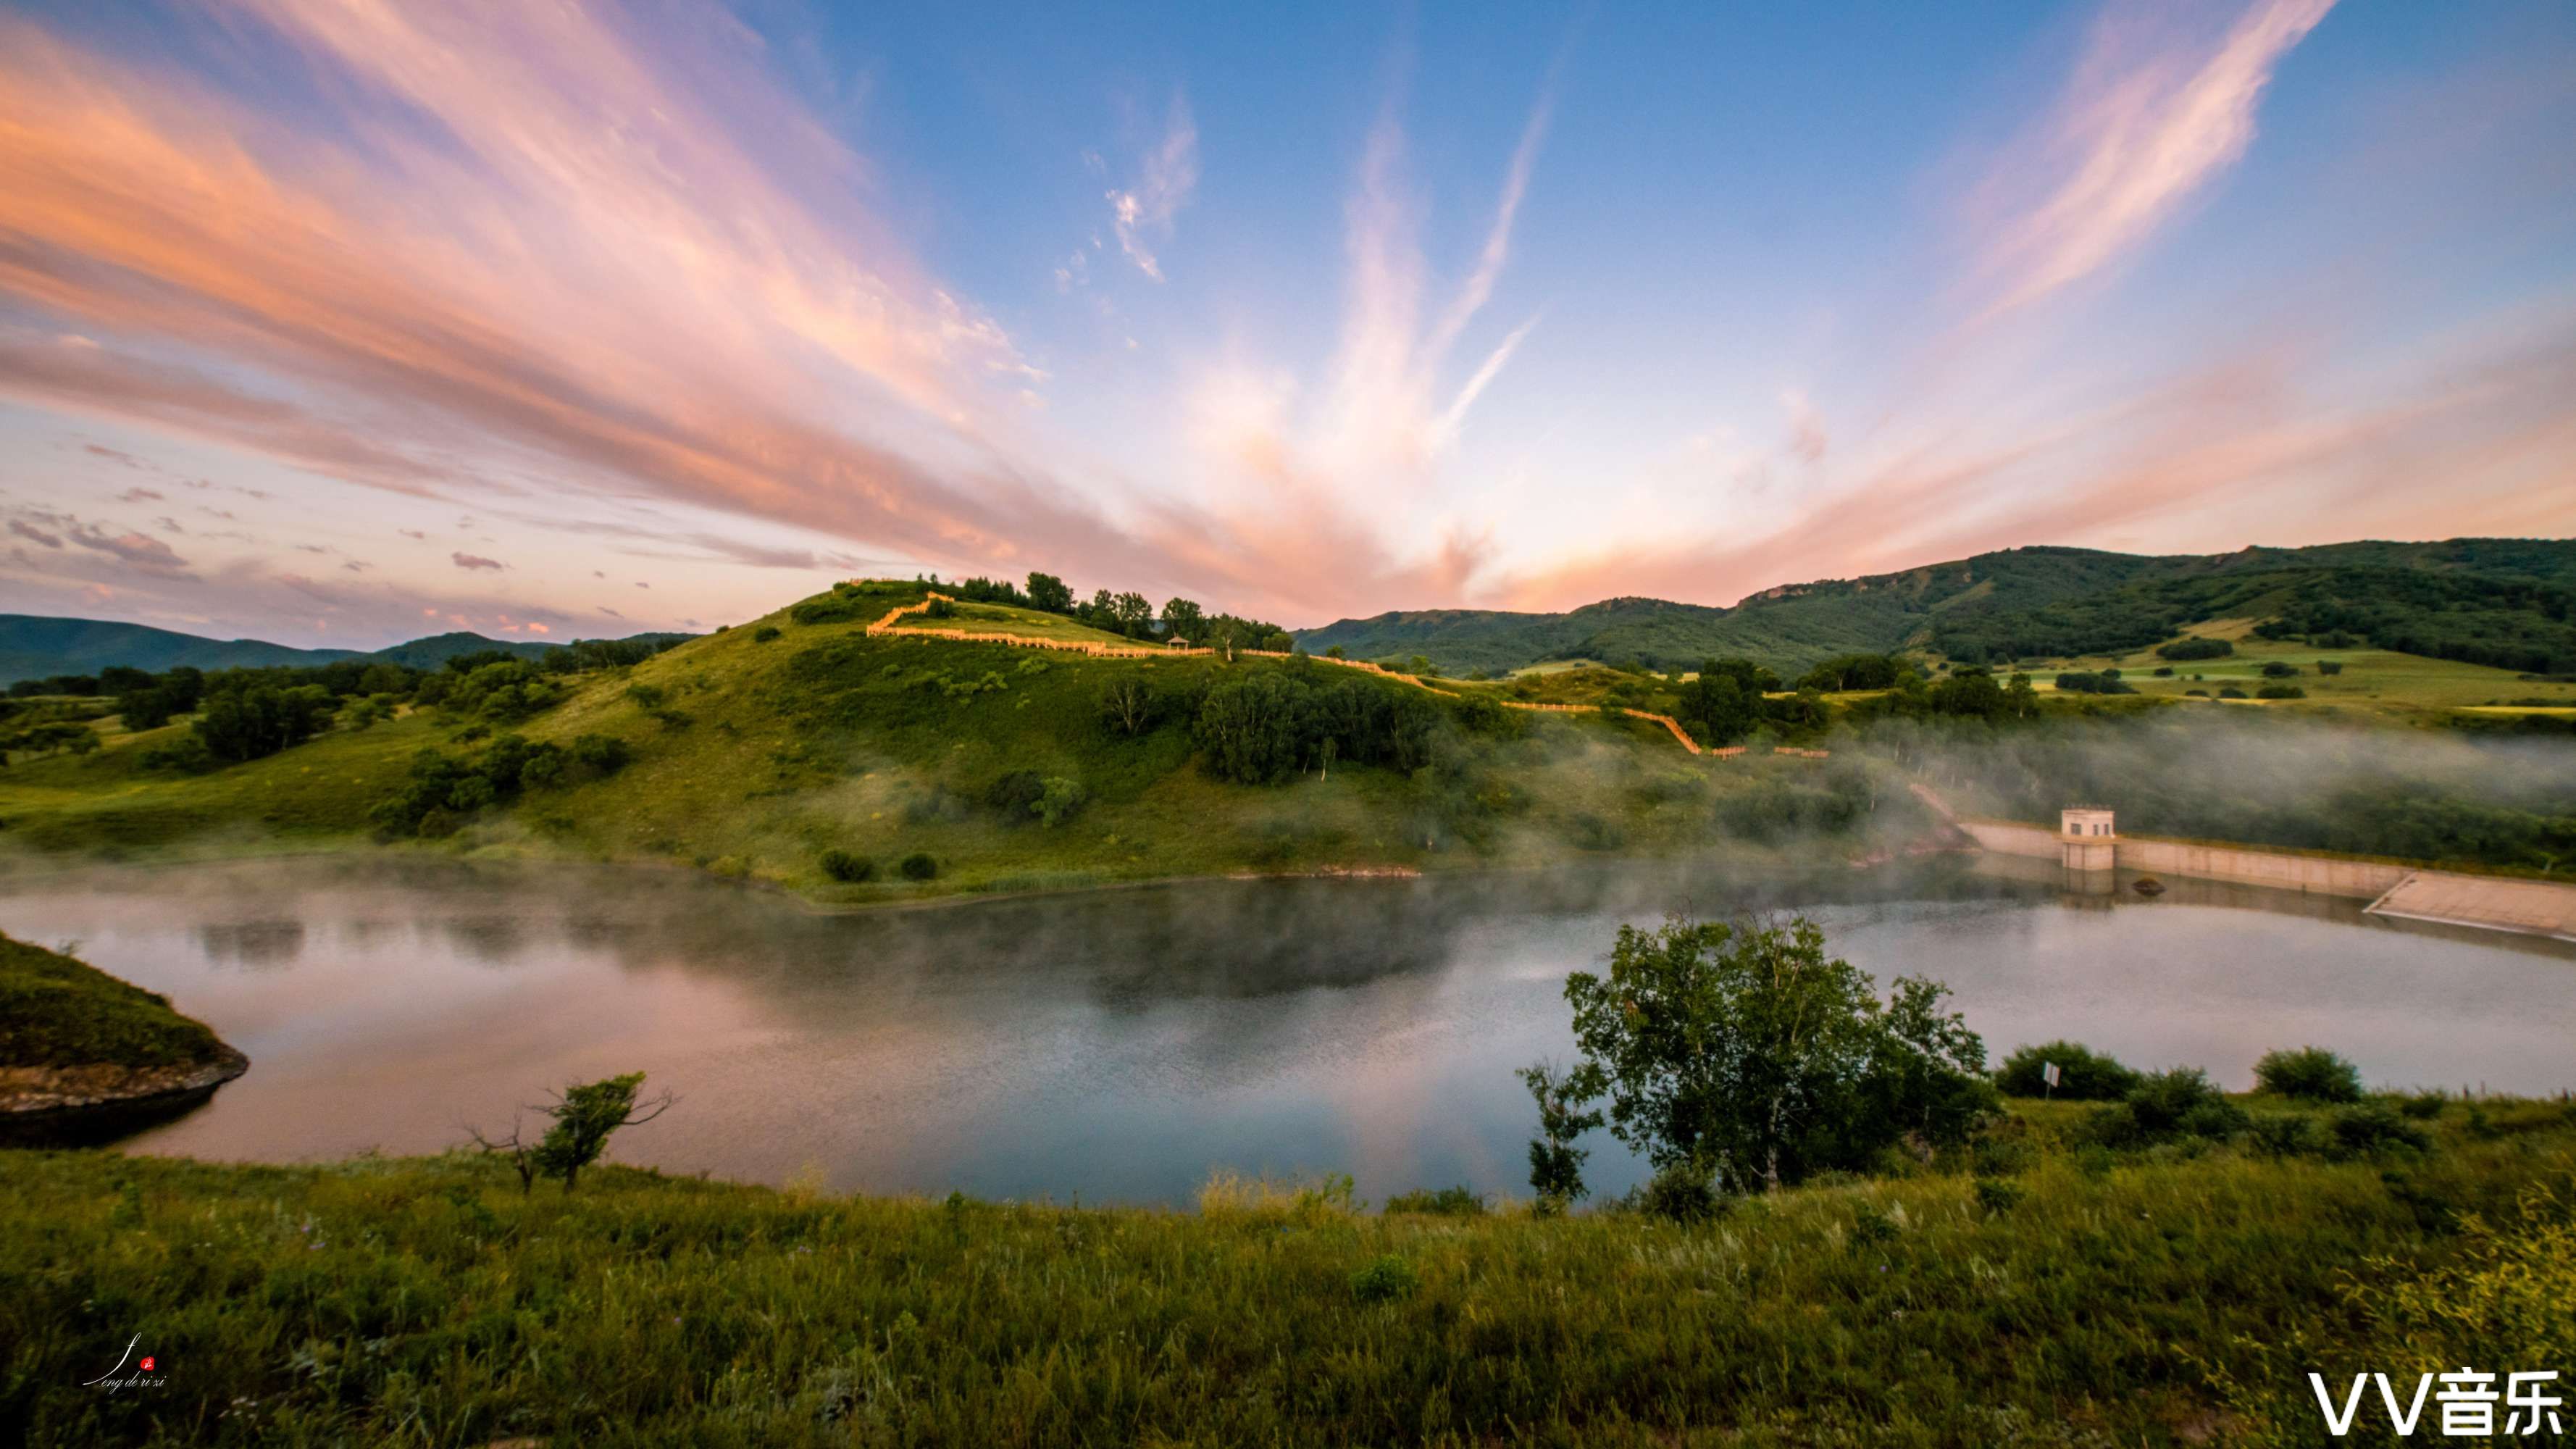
column 1121, row 1045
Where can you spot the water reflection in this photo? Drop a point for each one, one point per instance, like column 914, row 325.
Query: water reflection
column 1119, row 1045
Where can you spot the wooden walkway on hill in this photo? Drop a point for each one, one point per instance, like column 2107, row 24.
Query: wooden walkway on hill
column 887, row 625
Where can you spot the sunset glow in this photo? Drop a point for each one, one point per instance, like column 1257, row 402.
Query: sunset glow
column 333, row 322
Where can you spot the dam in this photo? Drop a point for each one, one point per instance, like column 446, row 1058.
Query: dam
column 2087, row 844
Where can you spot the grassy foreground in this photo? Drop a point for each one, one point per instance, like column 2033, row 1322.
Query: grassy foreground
column 2064, row 1298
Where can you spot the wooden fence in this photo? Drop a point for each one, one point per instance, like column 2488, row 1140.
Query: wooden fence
column 887, row 625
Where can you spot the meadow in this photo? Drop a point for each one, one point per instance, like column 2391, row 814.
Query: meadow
column 2034, row 1291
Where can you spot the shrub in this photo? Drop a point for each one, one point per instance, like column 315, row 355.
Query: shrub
column 2285, row 1134
column 2280, row 691
column 2229, row 691
column 842, row 866
column 1450, row 1202
column 1015, row 795
column 2084, row 1075
column 939, row 609
column 2311, row 1074
column 2370, row 1128
column 2196, row 649
column 764, row 633
column 1871, row 1227
column 2329, row 666
column 2275, row 669
column 920, row 865
column 1385, row 1280
column 1677, row 1194
column 2423, row 1106
column 1996, row 1195
column 2182, row 1101
column 1058, row 800
column 2164, row 671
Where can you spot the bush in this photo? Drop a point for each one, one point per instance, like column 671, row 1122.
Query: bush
column 1015, row 796
column 2229, row 691
column 920, row 865
column 2329, row 666
column 1872, row 1227
column 1384, row 1281
column 2275, row 669
column 2423, row 1106
column 2371, row 1128
column 2280, row 691
column 2182, row 1102
column 939, row 609
column 2286, row 1134
column 764, row 633
column 2196, row 649
column 1450, row 1202
column 2083, row 1074
column 1677, row 1194
column 2311, row 1074
column 1996, row 1195
column 850, row 869
column 1058, row 800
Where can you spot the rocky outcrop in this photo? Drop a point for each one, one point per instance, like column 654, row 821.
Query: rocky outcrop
column 28, row 1093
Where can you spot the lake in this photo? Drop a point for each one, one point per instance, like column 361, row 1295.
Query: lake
column 1121, row 1045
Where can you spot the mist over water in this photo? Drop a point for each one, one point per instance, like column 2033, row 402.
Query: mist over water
column 1121, row 1045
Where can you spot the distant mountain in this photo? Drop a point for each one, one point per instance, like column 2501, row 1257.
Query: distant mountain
column 2011, row 602
column 437, row 649
column 34, row 646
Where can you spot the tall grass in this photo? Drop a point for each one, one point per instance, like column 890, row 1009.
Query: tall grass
column 2102, row 1302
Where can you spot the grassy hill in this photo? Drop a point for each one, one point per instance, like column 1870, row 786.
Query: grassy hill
column 2037, row 1291
column 757, row 750
column 2038, row 602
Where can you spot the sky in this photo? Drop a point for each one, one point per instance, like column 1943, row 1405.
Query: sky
column 338, row 322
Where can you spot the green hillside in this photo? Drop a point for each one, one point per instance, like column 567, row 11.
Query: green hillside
column 812, row 755
column 2039, row 602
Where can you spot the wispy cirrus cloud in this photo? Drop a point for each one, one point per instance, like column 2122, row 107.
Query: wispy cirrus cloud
column 1142, row 215
column 2146, row 120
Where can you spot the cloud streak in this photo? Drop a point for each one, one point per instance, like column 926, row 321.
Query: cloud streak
column 2142, row 126
column 1142, row 215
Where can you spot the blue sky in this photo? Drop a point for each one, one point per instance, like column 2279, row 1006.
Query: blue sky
column 328, row 324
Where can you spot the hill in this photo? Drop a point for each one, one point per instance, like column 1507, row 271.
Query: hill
column 36, row 646
column 2016, row 602
column 806, row 750
column 33, row 646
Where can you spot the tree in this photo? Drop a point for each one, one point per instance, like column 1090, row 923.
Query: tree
column 1181, row 620
column 1747, row 1055
column 248, row 722
column 1556, row 1164
column 580, row 1121
column 1050, row 593
column 1716, row 704
column 1127, row 706
column 1135, row 617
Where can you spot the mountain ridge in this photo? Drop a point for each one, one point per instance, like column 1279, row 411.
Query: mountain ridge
column 40, row 646
column 1792, row 625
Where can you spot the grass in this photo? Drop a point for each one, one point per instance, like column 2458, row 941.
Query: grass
column 2061, row 1297
column 1004, row 619
column 58, row 1012
column 2400, row 687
